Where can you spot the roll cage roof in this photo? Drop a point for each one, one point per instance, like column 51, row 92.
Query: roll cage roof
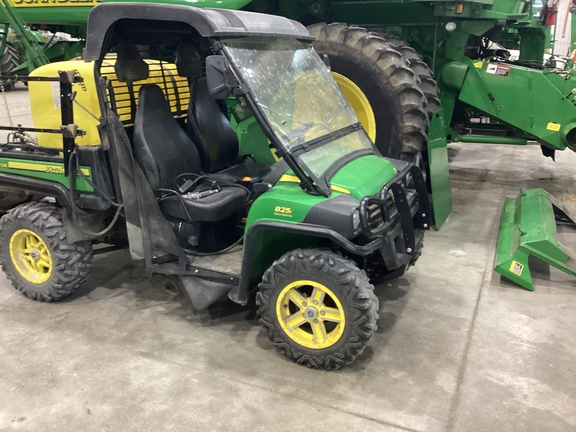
column 105, row 24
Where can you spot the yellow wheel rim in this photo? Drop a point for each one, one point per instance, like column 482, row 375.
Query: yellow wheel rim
column 359, row 103
column 30, row 256
column 310, row 314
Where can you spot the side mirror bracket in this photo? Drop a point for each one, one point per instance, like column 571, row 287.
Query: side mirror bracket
column 326, row 60
column 221, row 81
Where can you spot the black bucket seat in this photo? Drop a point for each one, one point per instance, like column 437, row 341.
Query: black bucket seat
column 164, row 151
column 215, row 138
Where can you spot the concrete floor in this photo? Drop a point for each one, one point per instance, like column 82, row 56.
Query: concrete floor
column 457, row 348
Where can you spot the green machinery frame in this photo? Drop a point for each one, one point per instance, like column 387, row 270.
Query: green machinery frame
column 529, row 228
column 35, row 55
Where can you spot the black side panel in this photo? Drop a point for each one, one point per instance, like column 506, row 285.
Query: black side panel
column 15, row 183
column 95, row 158
column 336, row 213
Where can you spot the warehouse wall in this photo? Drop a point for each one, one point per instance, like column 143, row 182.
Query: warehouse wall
column 562, row 44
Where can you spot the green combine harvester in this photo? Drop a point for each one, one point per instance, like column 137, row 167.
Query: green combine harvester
column 418, row 75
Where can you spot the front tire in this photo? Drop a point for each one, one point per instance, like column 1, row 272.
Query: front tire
column 318, row 308
column 36, row 256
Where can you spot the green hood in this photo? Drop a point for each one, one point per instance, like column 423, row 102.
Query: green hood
column 364, row 176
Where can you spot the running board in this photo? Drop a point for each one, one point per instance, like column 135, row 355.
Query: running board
column 199, row 293
column 529, row 228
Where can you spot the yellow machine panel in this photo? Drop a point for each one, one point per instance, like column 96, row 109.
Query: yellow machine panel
column 45, row 97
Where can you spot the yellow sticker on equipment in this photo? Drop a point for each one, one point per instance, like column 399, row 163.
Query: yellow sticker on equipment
column 553, row 126
column 54, row 3
column 516, row 268
column 46, row 168
column 478, row 64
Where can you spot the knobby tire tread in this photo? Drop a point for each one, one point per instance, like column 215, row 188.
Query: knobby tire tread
column 392, row 87
column 71, row 263
column 343, row 273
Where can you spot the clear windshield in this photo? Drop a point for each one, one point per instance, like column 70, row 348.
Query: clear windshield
column 299, row 97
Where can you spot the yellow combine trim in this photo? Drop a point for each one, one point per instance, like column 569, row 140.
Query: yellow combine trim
column 359, row 102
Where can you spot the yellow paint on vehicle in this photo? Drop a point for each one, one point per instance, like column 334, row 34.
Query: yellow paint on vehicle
column 359, row 102
column 30, row 256
column 553, row 126
column 340, row 189
column 46, row 168
column 287, row 178
column 283, row 211
column 45, row 96
column 304, row 308
column 478, row 64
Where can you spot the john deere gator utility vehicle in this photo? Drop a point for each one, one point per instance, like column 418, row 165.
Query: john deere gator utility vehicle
column 152, row 160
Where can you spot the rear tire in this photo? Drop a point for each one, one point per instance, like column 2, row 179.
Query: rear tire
column 35, row 255
column 10, row 60
column 384, row 77
column 318, row 308
column 419, row 67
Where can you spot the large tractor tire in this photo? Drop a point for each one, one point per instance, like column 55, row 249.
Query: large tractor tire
column 36, row 256
column 419, row 67
column 380, row 86
column 318, row 308
column 10, row 60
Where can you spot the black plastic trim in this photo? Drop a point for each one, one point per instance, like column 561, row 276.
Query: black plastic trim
column 10, row 182
column 212, row 23
column 335, row 213
column 239, row 294
column 40, row 187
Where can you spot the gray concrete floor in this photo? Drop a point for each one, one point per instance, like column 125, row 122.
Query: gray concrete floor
column 457, row 348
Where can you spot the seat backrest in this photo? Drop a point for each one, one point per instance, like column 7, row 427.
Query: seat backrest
column 130, row 66
column 161, row 146
column 211, row 131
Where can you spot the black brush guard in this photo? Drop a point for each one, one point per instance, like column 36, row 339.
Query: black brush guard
column 400, row 214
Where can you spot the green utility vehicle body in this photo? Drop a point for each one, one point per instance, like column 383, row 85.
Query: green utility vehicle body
column 162, row 174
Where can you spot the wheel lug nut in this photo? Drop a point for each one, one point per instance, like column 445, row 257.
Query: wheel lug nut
column 315, row 321
column 322, row 313
column 315, row 302
column 304, row 304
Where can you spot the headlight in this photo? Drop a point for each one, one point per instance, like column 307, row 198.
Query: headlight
column 375, row 217
column 356, row 219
